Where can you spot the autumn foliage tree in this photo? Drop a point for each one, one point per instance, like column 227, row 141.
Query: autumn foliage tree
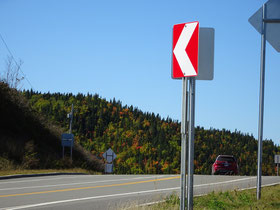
column 144, row 142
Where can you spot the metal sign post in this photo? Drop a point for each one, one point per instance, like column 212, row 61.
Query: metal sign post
column 191, row 141
column 262, row 21
column 261, row 105
column 184, row 143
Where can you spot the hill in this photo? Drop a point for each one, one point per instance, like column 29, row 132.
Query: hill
column 30, row 141
column 144, row 142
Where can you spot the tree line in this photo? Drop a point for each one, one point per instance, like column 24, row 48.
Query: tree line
column 144, row 142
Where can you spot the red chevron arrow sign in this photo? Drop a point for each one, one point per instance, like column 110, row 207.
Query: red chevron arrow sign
column 185, row 50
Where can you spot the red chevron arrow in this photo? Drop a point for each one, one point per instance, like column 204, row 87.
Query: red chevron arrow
column 185, row 50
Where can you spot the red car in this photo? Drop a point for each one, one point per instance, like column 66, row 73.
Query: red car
column 225, row 164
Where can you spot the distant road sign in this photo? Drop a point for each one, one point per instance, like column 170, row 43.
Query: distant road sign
column 277, row 158
column 272, row 26
column 109, row 155
column 185, row 50
column 67, row 140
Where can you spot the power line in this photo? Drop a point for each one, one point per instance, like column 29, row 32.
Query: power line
column 15, row 60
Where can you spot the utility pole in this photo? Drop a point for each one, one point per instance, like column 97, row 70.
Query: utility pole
column 70, row 115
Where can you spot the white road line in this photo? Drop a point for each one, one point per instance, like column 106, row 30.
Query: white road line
column 78, row 183
column 264, row 185
column 87, row 198
column 224, row 182
column 115, row 195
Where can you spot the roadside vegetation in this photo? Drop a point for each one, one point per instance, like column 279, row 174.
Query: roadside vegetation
column 144, row 142
column 31, row 141
column 245, row 199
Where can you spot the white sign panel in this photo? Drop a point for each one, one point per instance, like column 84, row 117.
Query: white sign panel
column 277, row 158
column 206, row 54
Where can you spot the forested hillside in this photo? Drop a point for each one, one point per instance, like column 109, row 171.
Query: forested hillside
column 30, row 141
column 144, row 142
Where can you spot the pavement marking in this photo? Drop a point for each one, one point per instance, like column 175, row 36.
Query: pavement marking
column 225, row 182
column 77, row 183
column 91, row 187
column 113, row 185
column 106, row 196
column 87, row 198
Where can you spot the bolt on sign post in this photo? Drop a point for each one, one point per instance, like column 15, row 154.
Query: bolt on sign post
column 185, row 64
column 266, row 21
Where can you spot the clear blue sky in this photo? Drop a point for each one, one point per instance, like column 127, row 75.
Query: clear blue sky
column 122, row 49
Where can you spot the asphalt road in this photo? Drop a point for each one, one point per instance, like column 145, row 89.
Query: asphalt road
column 109, row 191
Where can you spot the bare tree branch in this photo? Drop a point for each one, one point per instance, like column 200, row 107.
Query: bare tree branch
column 11, row 75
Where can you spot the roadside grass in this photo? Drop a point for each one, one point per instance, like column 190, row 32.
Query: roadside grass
column 40, row 171
column 245, row 199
